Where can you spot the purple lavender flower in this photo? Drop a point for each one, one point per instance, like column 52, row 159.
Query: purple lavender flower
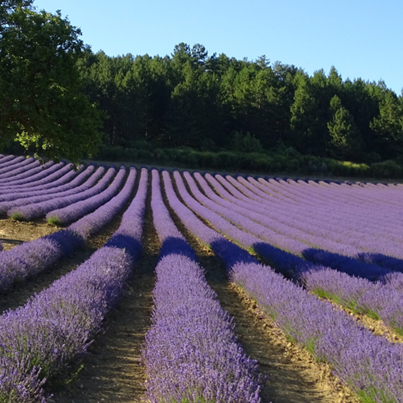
column 191, row 351
column 368, row 364
column 56, row 326
column 36, row 210
column 30, row 258
column 74, row 211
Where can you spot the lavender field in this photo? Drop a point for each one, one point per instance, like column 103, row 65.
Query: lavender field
column 202, row 287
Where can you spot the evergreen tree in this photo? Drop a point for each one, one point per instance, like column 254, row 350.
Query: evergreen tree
column 303, row 117
column 192, row 116
column 344, row 137
column 388, row 125
column 192, row 99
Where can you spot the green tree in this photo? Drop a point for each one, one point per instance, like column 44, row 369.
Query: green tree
column 192, row 116
column 388, row 125
column 345, row 139
column 42, row 103
column 304, row 117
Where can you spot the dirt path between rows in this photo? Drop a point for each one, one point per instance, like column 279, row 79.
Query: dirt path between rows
column 293, row 375
column 14, row 232
column 112, row 370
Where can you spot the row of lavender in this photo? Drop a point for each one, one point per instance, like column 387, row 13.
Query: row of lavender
column 328, row 258
column 64, row 317
column 380, row 300
column 317, row 209
column 225, row 378
column 233, row 255
column 30, row 258
column 313, row 225
column 285, row 241
column 57, row 191
column 370, row 365
column 56, row 326
column 191, row 351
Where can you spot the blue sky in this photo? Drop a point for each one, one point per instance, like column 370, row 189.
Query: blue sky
column 360, row 38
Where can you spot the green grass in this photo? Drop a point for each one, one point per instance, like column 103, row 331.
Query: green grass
column 53, row 220
column 18, row 216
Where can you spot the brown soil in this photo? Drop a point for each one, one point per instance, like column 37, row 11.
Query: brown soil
column 112, row 370
column 14, row 232
column 293, row 375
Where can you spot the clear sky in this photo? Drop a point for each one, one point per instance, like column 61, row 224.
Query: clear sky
column 361, row 38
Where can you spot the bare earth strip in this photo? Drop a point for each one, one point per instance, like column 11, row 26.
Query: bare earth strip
column 112, row 371
column 14, row 232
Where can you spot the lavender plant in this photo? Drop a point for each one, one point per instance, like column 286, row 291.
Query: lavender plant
column 56, row 182
column 36, row 210
column 16, row 173
column 191, row 352
column 368, row 364
column 26, row 175
column 16, row 163
column 39, row 339
column 30, row 258
column 6, row 159
column 73, row 212
column 44, row 177
column 85, row 180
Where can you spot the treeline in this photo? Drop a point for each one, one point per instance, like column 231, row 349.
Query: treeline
column 217, row 103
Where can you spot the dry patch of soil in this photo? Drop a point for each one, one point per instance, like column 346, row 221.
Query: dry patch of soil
column 14, row 232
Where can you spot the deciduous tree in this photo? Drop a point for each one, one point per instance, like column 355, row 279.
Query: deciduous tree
column 42, row 103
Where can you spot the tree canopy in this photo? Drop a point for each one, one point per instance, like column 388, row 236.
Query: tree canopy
column 57, row 96
column 190, row 98
column 43, row 105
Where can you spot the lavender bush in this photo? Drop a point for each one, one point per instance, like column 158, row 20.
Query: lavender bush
column 56, row 182
column 30, row 258
column 28, row 175
column 77, row 185
column 73, row 212
column 346, row 264
column 92, row 223
column 36, row 210
column 368, row 364
column 324, row 257
column 191, row 352
column 325, row 282
column 39, row 339
column 16, row 163
column 15, row 173
column 45, row 177
column 6, row 160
